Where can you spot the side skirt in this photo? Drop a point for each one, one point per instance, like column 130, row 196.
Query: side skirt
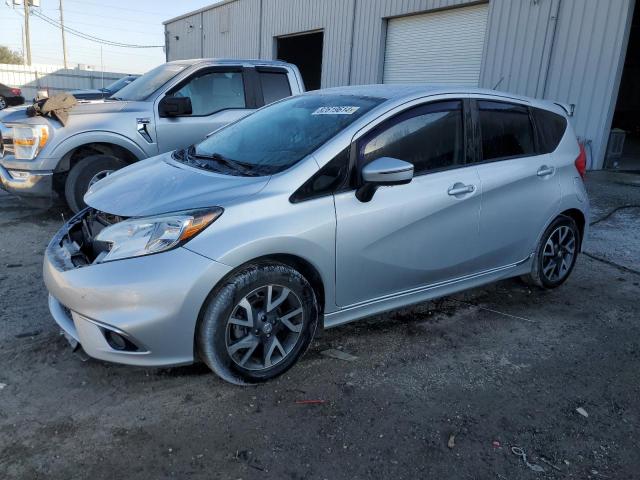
column 423, row 294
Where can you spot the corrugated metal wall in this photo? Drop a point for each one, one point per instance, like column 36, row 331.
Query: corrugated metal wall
column 586, row 63
column 232, row 30
column 565, row 50
column 183, row 38
column 55, row 79
column 334, row 17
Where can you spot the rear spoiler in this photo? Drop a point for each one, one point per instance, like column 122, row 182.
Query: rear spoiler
column 569, row 108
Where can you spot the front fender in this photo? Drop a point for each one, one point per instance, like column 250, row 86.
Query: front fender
column 69, row 144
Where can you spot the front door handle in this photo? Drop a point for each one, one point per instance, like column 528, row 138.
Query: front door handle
column 544, row 171
column 461, row 189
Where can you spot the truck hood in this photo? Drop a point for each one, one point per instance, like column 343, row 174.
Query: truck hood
column 19, row 114
column 161, row 185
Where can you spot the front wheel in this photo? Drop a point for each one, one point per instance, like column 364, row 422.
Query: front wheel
column 84, row 174
column 556, row 254
column 258, row 323
column 3, row 103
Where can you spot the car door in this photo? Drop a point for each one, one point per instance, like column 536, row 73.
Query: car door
column 219, row 96
column 413, row 235
column 520, row 188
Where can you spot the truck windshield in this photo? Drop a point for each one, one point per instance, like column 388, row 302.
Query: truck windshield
column 280, row 135
column 148, row 83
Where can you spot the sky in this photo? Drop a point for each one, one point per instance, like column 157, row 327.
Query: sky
column 133, row 22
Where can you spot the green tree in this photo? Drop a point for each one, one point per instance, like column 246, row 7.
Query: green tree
column 9, row 56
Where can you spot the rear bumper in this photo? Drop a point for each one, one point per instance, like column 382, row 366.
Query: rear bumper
column 153, row 301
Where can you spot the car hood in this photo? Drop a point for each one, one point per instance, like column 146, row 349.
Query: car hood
column 161, row 185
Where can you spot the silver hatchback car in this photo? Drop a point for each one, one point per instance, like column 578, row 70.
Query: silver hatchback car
column 322, row 208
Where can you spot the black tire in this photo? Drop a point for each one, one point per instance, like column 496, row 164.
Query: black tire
column 3, row 103
column 538, row 276
column 213, row 329
column 80, row 176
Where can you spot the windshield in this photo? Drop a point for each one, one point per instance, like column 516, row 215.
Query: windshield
column 280, row 135
column 148, row 83
column 118, row 84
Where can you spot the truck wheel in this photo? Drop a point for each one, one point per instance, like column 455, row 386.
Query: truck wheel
column 3, row 103
column 85, row 173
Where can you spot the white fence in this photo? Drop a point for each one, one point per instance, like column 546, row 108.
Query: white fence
column 55, row 79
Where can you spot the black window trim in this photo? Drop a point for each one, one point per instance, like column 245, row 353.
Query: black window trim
column 379, row 128
column 343, row 186
column 477, row 131
column 249, row 96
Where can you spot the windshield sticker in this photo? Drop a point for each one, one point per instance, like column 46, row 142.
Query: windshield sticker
column 342, row 110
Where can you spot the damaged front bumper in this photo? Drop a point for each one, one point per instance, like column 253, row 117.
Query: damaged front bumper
column 137, row 311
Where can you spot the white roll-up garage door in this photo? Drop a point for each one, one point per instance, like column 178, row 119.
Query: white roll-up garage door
column 440, row 47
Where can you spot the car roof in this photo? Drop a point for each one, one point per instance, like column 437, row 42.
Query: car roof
column 399, row 92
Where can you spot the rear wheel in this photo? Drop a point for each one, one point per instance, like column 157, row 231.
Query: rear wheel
column 556, row 254
column 84, row 174
column 258, row 324
column 3, row 103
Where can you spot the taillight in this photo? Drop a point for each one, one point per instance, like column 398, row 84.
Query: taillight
column 16, row 91
column 581, row 161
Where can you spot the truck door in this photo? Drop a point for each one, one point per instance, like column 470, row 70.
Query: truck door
column 219, row 95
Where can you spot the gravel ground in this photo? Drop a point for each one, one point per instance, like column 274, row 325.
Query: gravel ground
column 496, row 367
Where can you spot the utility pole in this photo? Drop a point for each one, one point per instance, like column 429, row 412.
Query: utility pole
column 26, row 30
column 64, row 43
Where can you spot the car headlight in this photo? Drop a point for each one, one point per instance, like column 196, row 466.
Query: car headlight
column 143, row 236
column 28, row 140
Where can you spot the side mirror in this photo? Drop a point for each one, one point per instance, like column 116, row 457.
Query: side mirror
column 383, row 171
column 174, row 106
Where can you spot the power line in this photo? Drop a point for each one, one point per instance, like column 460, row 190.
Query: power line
column 89, row 37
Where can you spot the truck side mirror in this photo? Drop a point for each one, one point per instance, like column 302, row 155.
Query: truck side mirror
column 175, row 106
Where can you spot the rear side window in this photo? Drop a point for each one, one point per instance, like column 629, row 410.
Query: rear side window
column 550, row 127
column 274, row 86
column 505, row 129
column 431, row 137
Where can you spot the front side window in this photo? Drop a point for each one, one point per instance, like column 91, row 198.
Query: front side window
column 274, row 86
column 277, row 136
column 431, row 137
column 505, row 129
column 213, row 91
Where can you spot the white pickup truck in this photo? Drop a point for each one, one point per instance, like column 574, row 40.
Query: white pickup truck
column 170, row 107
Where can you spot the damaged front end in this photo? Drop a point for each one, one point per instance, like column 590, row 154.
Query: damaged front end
column 75, row 245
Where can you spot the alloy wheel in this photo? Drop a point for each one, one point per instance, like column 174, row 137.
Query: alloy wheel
column 559, row 253
column 264, row 327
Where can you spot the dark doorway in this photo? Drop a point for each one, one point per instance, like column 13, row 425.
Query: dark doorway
column 626, row 118
column 305, row 51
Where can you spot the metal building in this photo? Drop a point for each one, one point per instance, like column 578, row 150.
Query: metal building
column 571, row 51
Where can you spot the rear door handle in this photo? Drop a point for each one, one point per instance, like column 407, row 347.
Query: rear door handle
column 544, row 171
column 461, row 189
